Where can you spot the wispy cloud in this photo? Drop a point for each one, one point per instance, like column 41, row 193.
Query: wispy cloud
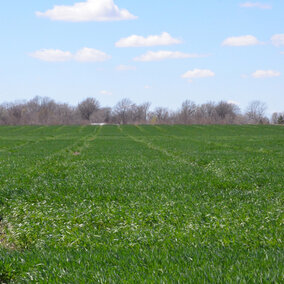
column 256, row 5
column 91, row 55
column 259, row 74
column 83, row 55
column 247, row 40
column 198, row 73
column 278, row 39
column 107, row 93
column 125, row 68
column 152, row 40
column 163, row 55
column 90, row 10
column 52, row 55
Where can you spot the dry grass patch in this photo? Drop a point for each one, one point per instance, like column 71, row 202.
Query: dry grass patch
column 4, row 241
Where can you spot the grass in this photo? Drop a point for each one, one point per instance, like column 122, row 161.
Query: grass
column 140, row 204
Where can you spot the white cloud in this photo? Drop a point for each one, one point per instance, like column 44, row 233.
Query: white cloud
column 163, row 55
column 107, row 93
column 147, row 87
column 265, row 74
column 241, row 41
column 278, row 39
column 152, row 40
column 198, row 73
column 282, row 52
column 91, row 55
column 83, row 55
column 256, row 5
column 125, row 68
column 90, row 10
column 233, row 103
column 52, row 55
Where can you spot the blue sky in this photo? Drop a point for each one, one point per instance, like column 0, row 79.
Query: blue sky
column 207, row 50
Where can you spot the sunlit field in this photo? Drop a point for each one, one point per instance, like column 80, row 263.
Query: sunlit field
column 142, row 204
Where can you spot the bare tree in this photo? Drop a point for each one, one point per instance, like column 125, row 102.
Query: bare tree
column 256, row 112
column 206, row 113
column 281, row 119
column 45, row 111
column 140, row 112
column 123, row 111
column 277, row 118
column 15, row 113
column 88, row 107
column 102, row 115
column 161, row 115
column 38, row 111
column 227, row 112
column 186, row 114
column 3, row 116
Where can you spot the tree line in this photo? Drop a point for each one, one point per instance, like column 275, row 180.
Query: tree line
column 45, row 111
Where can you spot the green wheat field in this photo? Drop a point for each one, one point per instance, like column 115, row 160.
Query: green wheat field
column 141, row 204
